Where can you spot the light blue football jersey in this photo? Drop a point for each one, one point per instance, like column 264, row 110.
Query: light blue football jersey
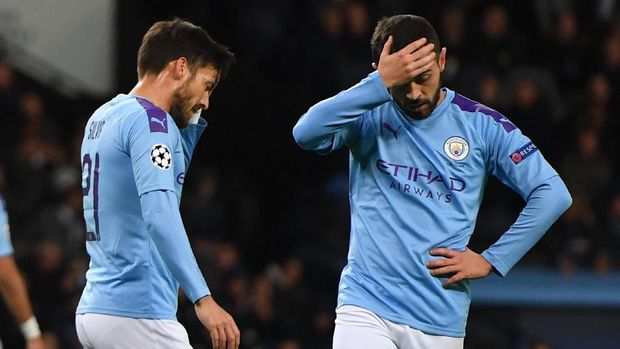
column 6, row 248
column 132, row 147
column 416, row 185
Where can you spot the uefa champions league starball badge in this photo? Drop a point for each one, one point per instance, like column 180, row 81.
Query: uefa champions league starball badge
column 161, row 156
column 456, row 148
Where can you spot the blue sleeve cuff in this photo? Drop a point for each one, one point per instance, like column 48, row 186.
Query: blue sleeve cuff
column 498, row 266
column 195, row 294
column 379, row 85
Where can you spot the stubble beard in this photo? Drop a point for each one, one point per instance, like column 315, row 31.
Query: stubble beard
column 430, row 104
column 179, row 108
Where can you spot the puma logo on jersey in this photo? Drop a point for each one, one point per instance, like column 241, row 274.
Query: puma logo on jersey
column 507, row 124
column 392, row 130
column 158, row 119
column 161, row 122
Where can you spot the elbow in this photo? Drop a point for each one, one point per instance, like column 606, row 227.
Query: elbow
column 561, row 195
column 298, row 134
column 566, row 200
column 154, row 221
column 309, row 135
column 302, row 136
column 151, row 223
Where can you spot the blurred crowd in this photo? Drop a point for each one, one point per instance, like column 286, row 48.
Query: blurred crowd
column 272, row 246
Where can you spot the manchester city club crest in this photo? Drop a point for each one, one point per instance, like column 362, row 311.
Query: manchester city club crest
column 456, row 148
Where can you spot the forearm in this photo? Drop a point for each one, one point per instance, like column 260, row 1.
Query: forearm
column 317, row 127
column 14, row 289
column 161, row 213
column 544, row 206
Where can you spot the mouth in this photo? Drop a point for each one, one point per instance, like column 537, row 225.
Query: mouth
column 415, row 106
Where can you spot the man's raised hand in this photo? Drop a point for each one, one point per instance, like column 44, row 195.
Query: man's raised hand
column 402, row 66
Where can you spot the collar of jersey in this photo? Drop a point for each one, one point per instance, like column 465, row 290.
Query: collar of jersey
column 123, row 97
column 146, row 99
column 434, row 115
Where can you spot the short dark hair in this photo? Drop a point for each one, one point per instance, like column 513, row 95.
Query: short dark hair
column 167, row 41
column 404, row 30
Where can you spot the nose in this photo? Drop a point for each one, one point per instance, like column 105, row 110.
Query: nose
column 415, row 92
column 204, row 100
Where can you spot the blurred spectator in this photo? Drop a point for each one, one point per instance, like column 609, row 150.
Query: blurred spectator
column 355, row 59
column 534, row 107
column 587, row 174
column 613, row 226
column 8, row 110
column 611, row 65
column 586, row 171
column 594, row 112
column 502, row 47
column 453, row 36
column 539, row 344
column 203, row 208
column 490, row 91
column 577, row 236
column 289, row 344
column 566, row 51
column 8, row 90
column 61, row 222
column 291, row 297
column 547, row 10
column 45, row 276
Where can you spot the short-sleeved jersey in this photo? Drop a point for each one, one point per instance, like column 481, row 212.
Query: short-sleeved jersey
column 130, row 147
column 416, row 185
column 6, row 248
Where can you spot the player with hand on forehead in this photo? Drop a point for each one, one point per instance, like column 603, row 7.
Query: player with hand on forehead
column 420, row 155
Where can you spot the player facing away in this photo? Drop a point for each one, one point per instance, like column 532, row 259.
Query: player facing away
column 135, row 153
column 13, row 287
column 420, row 155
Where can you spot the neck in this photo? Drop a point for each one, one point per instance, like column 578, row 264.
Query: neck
column 155, row 88
column 442, row 96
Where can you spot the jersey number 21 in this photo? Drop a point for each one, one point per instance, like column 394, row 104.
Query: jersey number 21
column 90, row 191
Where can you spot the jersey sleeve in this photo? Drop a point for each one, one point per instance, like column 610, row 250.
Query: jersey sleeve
column 190, row 137
column 161, row 213
column 6, row 248
column 516, row 161
column 340, row 120
column 544, row 206
column 151, row 148
column 513, row 158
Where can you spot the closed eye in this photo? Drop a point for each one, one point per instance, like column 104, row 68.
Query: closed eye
column 422, row 78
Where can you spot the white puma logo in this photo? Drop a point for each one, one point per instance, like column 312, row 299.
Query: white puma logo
column 162, row 122
column 504, row 120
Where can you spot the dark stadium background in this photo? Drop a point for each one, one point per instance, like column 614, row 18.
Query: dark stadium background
column 269, row 222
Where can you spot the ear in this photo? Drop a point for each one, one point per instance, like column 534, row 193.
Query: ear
column 180, row 68
column 442, row 59
column 374, row 66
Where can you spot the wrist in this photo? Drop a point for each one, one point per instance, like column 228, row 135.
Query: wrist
column 386, row 82
column 203, row 300
column 488, row 266
column 30, row 328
